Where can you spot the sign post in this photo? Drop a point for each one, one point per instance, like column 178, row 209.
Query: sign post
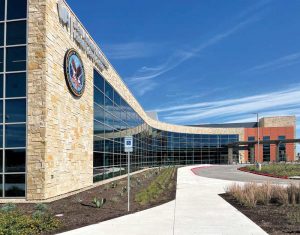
column 128, row 147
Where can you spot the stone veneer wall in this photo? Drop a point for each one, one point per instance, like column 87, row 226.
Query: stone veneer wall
column 36, row 92
column 280, row 121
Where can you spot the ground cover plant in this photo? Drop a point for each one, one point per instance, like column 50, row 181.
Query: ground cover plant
column 163, row 182
column 275, row 208
column 14, row 222
column 278, row 169
column 92, row 206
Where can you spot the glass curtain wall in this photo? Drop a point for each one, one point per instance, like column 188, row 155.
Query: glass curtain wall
column 266, row 150
column 13, row 40
column 282, row 149
column 114, row 119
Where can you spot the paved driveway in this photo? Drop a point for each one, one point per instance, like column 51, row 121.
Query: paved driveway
column 225, row 172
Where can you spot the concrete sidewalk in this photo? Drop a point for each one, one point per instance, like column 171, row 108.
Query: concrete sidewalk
column 197, row 210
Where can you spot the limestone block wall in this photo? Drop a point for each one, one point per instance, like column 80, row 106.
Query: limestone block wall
column 280, row 121
column 36, row 102
column 69, row 120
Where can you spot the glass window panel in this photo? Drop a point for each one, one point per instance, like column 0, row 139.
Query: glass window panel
column 16, row 9
column 16, row 33
column 98, row 113
column 98, row 159
column 117, row 99
column 1, row 34
column 15, row 110
column 16, row 85
column 1, row 60
column 108, row 104
column 1, row 86
column 1, row 136
column 15, row 160
column 98, row 97
column 1, row 186
column 2, row 10
column 14, row 185
column 1, row 114
column 99, row 128
column 98, row 144
column 1, row 163
column 109, row 91
column 98, row 81
column 15, row 135
column 16, row 58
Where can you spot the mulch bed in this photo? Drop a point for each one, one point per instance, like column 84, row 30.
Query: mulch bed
column 78, row 210
column 262, row 173
column 271, row 218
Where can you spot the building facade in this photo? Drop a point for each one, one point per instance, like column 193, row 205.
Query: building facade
column 66, row 111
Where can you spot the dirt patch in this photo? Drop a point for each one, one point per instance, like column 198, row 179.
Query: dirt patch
column 78, row 210
column 273, row 218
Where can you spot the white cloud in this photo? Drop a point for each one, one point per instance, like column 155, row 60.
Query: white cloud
column 254, row 8
column 278, row 63
column 178, row 57
column 131, row 50
column 284, row 102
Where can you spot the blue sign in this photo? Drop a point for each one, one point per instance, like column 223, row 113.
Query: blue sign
column 74, row 72
column 128, row 144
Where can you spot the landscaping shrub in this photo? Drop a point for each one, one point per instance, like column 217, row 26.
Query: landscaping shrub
column 278, row 169
column 8, row 207
column 279, row 195
column 251, row 193
column 157, row 187
column 294, row 217
column 15, row 223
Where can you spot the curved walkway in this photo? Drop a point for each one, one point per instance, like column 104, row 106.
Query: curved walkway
column 231, row 172
column 197, row 210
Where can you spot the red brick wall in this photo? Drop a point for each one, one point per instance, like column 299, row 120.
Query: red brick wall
column 273, row 132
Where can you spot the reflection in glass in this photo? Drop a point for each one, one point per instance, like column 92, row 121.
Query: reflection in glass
column 16, row 58
column 15, row 111
column 16, row 85
column 109, row 91
column 15, row 160
column 99, row 81
column 15, row 135
column 98, row 97
column 14, row 185
column 152, row 147
column 98, row 113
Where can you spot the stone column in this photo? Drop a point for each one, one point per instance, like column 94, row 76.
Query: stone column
column 230, row 155
column 251, row 154
column 36, row 104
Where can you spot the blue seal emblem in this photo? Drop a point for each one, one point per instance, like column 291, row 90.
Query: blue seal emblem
column 74, row 72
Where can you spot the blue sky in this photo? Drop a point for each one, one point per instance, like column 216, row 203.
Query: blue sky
column 202, row 61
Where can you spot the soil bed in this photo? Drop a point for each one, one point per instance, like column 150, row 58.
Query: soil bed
column 78, row 210
column 272, row 218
